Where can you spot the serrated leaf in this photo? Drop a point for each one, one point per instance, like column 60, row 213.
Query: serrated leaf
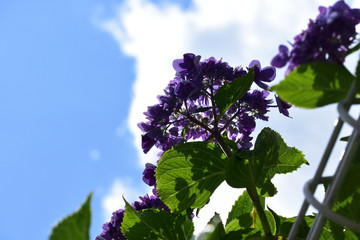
column 246, row 222
column 188, row 174
column 278, row 219
column 242, row 206
column 257, row 167
column 154, row 224
column 75, row 226
column 315, row 84
column 214, row 229
column 241, row 222
column 350, row 207
column 229, row 93
column 271, row 221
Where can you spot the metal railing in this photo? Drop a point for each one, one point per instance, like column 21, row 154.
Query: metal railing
column 335, row 181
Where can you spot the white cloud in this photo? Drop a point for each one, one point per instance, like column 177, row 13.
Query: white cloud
column 94, row 154
column 221, row 202
column 238, row 31
column 114, row 199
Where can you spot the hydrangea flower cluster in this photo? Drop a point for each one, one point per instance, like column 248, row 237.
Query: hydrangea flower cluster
column 188, row 111
column 112, row 231
column 327, row 38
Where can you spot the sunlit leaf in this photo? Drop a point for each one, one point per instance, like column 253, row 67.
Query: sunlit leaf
column 188, row 174
column 315, row 84
column 76, row 226
column 271, row 220
column 229, row 93
column 242, row 206
column 214, row 230
column 155, row 224
column 241, row 222
column 257, row 167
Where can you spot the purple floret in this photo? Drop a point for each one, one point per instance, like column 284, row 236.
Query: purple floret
column 149, row 174
column 283, row 106
column 262, row 75
column 282, row 58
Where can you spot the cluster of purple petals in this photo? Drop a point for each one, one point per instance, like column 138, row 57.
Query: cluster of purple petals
column 149, row 176
column 327, row 38
column 187, row 110
column 112, row 231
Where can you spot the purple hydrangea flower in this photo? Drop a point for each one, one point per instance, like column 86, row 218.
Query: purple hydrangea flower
column 328, row 38
column 149, row 202
column 188, row 65
column 187, row 110
column 112, row 229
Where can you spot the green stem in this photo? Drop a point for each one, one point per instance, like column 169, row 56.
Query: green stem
column 224, row 147
column 251, row 191
column 259, row 209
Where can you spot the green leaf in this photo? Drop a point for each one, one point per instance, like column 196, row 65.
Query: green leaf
column 336, row 230
column 75, row 226
column 242, row 206
column 315, row 84
column 256, row 168
column 155, row 224
column 246, row 222
column 345, row 139
column 350, row 185
column 229, row 93
column 248, row 233
column 353, row 49
column 350, row 235
column 242, row 222
column 214, row 229
column 188, row 174
column 304, row 229
column 339, row 231
column 350, row 207
column 270, row 219
column 278, row 219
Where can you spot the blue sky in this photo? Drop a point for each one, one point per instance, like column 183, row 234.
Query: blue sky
column 75, row 77
column 64, row 90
